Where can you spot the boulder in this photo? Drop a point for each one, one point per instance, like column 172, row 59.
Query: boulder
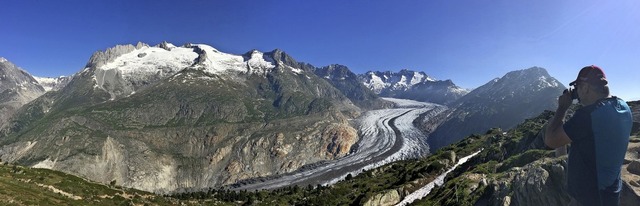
column 389, row 197
column 634, row 167
column 542, row 182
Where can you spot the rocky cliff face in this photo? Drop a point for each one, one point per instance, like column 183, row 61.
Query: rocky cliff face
column 408, row 84
column 542, row 182
column 168, row 118
column 502, row 102
column 17, row 88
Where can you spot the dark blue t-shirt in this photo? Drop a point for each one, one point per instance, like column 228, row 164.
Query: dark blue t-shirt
column 599, row 136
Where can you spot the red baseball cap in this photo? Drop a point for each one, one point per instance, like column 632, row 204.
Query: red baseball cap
column 592, row 75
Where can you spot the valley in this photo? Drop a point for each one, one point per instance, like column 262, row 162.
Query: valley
column 387, row 135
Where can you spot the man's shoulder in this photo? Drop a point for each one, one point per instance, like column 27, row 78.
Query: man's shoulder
column 612, row 102
column 612, row 114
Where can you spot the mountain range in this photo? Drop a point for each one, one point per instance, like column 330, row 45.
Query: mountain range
column 407, row 84
column 165, row 118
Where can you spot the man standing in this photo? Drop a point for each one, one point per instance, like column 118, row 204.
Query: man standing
column 599, row 134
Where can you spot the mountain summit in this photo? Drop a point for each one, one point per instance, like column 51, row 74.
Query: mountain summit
column 17, row 87
column 502, row 102
column 407, row 84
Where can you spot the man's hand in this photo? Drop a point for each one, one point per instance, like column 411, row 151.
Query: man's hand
column 554, row 135
column 564, row 101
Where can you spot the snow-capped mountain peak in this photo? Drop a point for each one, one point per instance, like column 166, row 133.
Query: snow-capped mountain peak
column 260, row 61
column 517, row 83
column 133, row 67
column 412, row 85
column 2, row 59
column 151, row 60
column 402, row 80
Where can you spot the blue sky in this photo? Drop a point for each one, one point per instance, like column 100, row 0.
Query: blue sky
column 470, row 42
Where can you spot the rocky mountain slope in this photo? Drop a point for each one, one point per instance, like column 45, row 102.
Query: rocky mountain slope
column 17, row 87
column 162, row 118
column 407, row 84
column 502, row 102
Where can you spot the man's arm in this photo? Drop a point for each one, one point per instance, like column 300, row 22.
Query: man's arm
column 555, row 136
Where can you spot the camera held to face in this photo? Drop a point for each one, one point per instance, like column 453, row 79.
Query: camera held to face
column 574, row 92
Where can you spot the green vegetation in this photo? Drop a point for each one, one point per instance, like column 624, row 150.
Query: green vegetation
column 524, row 159
column 28, row 186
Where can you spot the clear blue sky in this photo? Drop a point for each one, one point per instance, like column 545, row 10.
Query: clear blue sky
column 470, row 42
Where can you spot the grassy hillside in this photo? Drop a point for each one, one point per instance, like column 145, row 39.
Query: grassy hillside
column 29, row 186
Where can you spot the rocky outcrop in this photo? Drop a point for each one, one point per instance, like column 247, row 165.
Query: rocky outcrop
column 390, row 197
column 542, row 182
column 339, row 138
column 202, row 56
column 166, row 46
column 140, row 45
column 631, row 175
column 100, row 58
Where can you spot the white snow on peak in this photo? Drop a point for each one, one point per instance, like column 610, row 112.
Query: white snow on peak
column 297, row 71
column 218, row 62
column 171, row 46
column 402, row 83
column 397, row 81
column 376, row 83
column 458, row 90
column 430, row 79
column 2, row 59
column 260, row 62
column 152, row 60
column 47, row 82
column 146, row 64
column 547, row 82
column 417, row 78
